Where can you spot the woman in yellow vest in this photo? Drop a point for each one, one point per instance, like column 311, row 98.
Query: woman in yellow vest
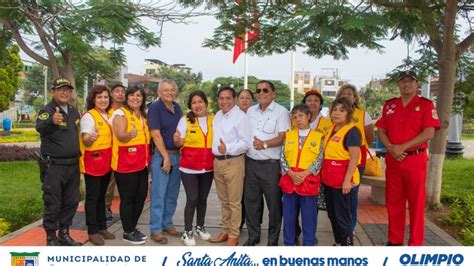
column 339, row 172
column 130, row 159
column 96, row 150
column 314, row 100
column 365, row 125
column 301, row 160
column 194, row 136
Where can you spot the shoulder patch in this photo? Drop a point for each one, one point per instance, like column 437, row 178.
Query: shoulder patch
column 43, row 116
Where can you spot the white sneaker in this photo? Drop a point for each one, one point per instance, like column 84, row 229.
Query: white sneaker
column 202, row 233
column 188, row 238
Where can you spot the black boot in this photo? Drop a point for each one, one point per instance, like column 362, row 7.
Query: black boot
column 65, row 239
column 51, row 238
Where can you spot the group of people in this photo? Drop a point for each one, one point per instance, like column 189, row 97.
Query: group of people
column 256, row 155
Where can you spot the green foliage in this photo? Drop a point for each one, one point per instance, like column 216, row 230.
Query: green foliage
column 20, row 136
column 20, row 193
column 458, row 192
column 10, row 67
column 462, row 217
column 182, row 77
column 4, row 227
column 372, row 99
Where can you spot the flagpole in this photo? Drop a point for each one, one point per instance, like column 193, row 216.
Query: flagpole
column 246, row 65
column 292, row 80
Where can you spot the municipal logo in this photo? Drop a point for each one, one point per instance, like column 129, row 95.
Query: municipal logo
column 25, row 258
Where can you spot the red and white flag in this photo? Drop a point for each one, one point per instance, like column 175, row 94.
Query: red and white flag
column 241, row 41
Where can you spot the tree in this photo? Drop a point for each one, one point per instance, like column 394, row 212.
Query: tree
column 66, row 31
column 33, row 86
column 10, row 67
column 373, row 98
column 182, row 77
column 331, row 27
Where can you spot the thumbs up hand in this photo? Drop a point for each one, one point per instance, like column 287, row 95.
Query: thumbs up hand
column 176, row 136
column 94, row 135
column 222, row 147
column 57, row 117
column 257, row 143
column 133, row 132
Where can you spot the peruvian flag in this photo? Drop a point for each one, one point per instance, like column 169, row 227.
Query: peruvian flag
column 240, row 41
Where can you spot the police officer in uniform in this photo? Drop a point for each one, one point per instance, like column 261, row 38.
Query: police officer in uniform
column 405, row 127
column 57, row 124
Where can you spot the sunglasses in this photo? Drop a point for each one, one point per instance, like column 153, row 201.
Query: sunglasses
column 262, row 90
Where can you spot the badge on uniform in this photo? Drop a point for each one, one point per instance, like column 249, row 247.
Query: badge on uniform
column 77, row 122
column 132, row 149
column 393, row 105
column 417, row 109
column 336, row 139
column 43, row 116
column 389, row 112
column 356, row 119
column 313, row 143
column 434, row 114
column 101, row 123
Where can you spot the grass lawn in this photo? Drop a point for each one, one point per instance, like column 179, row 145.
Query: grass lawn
column 20, row 193
column 457, row 194
column 457, row 179
column 468, row 136
column 20, row 135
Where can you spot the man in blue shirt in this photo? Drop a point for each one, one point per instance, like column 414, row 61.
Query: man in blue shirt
column 163, row 117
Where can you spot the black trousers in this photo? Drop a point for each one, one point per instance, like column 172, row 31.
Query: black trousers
column 197, row 187
column 60, row 195
column 96, row 187
column 262, row 179
column 133, row 189
column 339, row 208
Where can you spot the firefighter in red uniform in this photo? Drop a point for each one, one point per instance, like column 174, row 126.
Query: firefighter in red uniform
column 406, row 125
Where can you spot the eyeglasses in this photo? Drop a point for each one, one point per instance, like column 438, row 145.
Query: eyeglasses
column 265, row 90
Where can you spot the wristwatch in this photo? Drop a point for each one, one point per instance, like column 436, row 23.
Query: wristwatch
column 265, row 145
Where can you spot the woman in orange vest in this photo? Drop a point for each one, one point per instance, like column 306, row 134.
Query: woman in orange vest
column 314, row 100
column 301, row 159
column 130, row 159
column 365, row 125
column 96, row 150
column 339, row 173
column 194, row 137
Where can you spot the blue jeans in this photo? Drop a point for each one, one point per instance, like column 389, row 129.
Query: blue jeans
column 164, row 193
column 355, row 199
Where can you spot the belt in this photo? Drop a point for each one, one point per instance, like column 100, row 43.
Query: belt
column 173, row 151
column 61, row 161
column 415, row 151
column 264, row 161
column 225, row 157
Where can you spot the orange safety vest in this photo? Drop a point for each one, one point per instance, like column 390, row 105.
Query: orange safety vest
column 134, row 155
column 300, row 160
column 359, row 121
column 95, row 159
column 196, row 153
column 336, row 159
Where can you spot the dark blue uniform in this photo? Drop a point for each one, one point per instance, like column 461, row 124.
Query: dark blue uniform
column 61, row 177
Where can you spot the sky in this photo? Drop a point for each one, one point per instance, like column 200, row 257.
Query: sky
column 182, row 44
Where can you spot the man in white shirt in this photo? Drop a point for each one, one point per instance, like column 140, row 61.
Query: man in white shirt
column 268, row 121
column 230, row 142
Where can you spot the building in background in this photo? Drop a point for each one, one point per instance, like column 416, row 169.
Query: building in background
column 153, row 66
column 329, row 81
column 302, row 81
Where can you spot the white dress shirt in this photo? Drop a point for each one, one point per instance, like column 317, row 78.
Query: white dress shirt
column 233, row 128
column 267, row 125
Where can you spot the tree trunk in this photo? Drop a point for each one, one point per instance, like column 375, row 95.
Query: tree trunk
column 447, row 62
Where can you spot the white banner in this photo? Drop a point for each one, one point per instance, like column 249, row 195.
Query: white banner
column 226, row 256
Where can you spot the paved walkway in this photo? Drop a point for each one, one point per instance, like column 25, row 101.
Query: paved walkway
column 371, row 229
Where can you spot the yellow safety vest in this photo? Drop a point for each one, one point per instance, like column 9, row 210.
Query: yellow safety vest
column 196, row 152
column 134, row 155
column 95, row 159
